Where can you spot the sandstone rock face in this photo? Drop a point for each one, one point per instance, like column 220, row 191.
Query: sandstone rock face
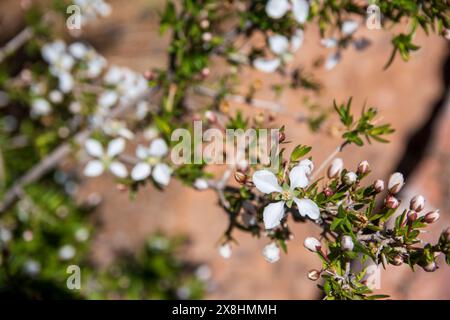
column 405, row 94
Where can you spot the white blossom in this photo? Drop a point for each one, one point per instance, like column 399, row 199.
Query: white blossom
column 225, row 251
column 93, row 9
column 40, row 107
column 283, row 48
column 150, row 163
column 332, row 60
column 201, row 184
column 271, row 253
column 266, row 182
column 105, row 160
column 349, row 27
column 117, row 128
column 66, row 252
column 276, row 9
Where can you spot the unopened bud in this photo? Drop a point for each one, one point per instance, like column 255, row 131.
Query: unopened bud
column 328, row 192
column 240, row 177
column 396, row 183
column 378, row 185
column 446, row 235
column 347, row 243
column 204, row 24
column 350, row 178
column 335, row 168
column 210, row 116
column 430, row 267
column 363, row 167
column 121, row 187
column 201, row 184
column 149, row 75
column 313, row 275
column 207, row 37
column 412, row 216
column 205, row 72
column 391, row 202
column 417, row 203
column 281, row 137
column 431, row 216
column 398, row 260
column 312, row 244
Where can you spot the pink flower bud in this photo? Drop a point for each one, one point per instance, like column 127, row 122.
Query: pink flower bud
column 313, row 275
column 398, row 260
column 240, row 177
column 350, row 178
column 204, row 24
column 328, row 192
column 205, row 72
column 391, row 202
column 312, row 244
column 378, row 185
column 347, row 243
column 149, row 75
column 211, row 116
column 207, row 37
column 417, row 203
column 446, row 234
column 412, row 216
column 396, row 183
column 363, row 167
column 430, row 267
column 335, row 168
column 431, row 216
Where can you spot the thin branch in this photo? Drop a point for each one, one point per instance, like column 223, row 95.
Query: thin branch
column 327, row 161
column 257, row 103
column 15, row 43
column 57, row 155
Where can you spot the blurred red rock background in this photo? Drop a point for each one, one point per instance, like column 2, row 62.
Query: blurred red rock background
column 412, row 96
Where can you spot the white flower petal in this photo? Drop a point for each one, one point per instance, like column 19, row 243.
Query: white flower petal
column 273, row 213
column 297, row 40
column 277, row 8
column 158, row 148
column 94, row 168
column 271, row 252
column 266, row 182
column 141, row 152
column 307, row 207
column 78, row 50
column 279, row 44
column 40, row 107
column 300, row 9
column 141, row 171
column 66, row 82
column 225, row 251
column 329, row 42
column 332, row 60
column 349, row 27
column 161, row 174
column 118, row 169
column 266, row 65
column 298, row 177
column 308, row 164
column 94, row 148
column 108, row 99
column 201, row 184
column 115, row 147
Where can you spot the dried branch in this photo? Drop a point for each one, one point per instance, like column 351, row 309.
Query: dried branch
column 15, row 43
